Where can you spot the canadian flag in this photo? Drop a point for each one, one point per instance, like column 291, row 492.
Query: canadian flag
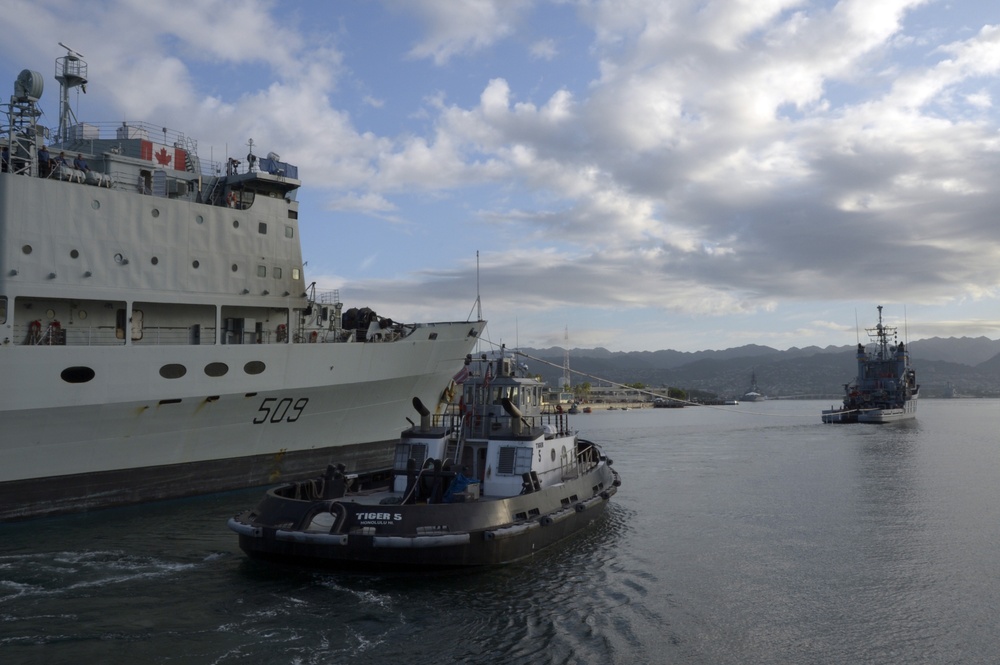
column 166, row 156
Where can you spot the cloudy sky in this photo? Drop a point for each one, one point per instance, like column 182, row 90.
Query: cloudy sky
column 639, row 174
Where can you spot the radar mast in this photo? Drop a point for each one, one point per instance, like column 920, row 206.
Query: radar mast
column 71, row 72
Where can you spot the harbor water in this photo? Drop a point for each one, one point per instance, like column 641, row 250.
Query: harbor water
column 743, row 534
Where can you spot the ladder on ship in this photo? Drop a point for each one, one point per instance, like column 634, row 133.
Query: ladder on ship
column 453, row 450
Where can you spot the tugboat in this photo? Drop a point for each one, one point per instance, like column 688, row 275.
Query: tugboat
column 492, row 481
column 885, row 389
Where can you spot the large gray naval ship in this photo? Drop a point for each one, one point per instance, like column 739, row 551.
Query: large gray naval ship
column 157, row 335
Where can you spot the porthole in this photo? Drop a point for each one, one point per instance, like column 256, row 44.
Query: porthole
column 199, row 219
column 73, row 254
column 553, row 454
column 195, row 264
column 95, row 204
column 26, row 249
column 155, row 212
column 235, row 268
column 77, row 374
column 254, row 367
column 216, row 369
column 173, row 371
column 236, row 223
column 154, row 260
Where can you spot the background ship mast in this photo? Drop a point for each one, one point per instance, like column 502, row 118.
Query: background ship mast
column 565, row 377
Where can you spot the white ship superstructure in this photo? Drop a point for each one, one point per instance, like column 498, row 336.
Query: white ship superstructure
column 157, row 336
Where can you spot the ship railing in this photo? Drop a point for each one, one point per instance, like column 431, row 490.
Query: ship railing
column 481, row 425
column 82, row 138
column 76, row 335
column 30, row 334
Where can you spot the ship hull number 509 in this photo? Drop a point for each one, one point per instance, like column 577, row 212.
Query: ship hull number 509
column 285, row 410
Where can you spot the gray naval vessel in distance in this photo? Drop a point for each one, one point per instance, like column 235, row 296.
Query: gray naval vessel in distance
column 157, row 336
column 885, row 389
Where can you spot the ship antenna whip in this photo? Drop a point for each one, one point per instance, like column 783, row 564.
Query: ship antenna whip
column 478, row 306
column 479, row 302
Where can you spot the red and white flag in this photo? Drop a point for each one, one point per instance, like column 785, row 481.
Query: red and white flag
column 166, row 156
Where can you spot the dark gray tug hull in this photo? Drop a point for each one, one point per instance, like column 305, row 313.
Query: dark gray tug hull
column 369, row 535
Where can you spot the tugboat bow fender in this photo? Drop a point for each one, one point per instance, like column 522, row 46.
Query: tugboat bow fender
column 245, row 529
column 310, row 538
column 403, row 542
column 558, row 516
column 510, row 531
column 589, row 503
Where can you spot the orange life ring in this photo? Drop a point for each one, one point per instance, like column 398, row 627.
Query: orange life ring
column 35, row 327
column 313, row 336
column 282, row 332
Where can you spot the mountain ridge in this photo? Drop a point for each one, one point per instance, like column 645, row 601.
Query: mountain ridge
column 966, row 365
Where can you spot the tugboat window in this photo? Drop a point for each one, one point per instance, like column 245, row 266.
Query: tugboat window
column 514, row 460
